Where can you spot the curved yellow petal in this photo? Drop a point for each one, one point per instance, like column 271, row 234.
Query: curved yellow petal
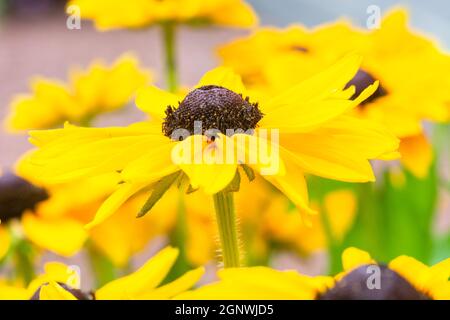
column 62, row 236
column 256, row 283
column 53, row 291
column 5, row 241
column 154, row 101
column 416, row 154
column 238, row 14
column 141, row 281
column 224, row 77
column 57, row 272
column 178, row 286
column 319, row 112
column 353, row 258
column 205, row 163
column 293, row 185
column 412, row 270
column 113, row 203
column 340, row 150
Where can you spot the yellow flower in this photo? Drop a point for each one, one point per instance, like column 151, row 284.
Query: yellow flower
column 17, row 196
column 57, row 224
column 60, row 282
column 408, row 66
column 262, row 231
column 315, row 136
column 340, row 207
column 363, row 278
column 110, row 14
column 53, row 217
column 99, row 89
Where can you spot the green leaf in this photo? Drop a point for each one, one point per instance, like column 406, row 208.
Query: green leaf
column 248, row 172
column 190, row 189
column 158, row 191
column 235, row 184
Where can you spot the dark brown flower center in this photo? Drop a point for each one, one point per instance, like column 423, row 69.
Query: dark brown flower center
column 211, row 108
column 361, row 81
column 361, row 284
column 18, row 195
column 77, row 293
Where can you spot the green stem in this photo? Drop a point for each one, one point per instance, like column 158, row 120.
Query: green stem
column 169, row 48
column 178, row 238
column 226, row 220
column 334, row 264
column 102, row 267
column 24, row 261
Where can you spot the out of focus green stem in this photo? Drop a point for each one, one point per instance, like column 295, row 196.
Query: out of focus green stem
column 102, row 267
column 334, row 254
column 24, row 261
column 169, row 35
column 226, row 221
column 178, row 239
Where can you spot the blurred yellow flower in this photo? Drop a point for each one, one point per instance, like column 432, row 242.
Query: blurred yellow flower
column 57, row 224
column 270, row 220
column 97, row 90
column 403, row 278
column 61, row 282
column 110, row 14
column 409, row 66
column 315, row 136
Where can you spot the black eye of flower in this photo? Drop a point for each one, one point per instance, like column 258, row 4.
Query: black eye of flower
column 216, row 107
column 18, row 195
column 354, row 286
column 77, row 293
column 362, row 80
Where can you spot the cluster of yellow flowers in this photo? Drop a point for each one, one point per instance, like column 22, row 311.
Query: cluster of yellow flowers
column 337, row 96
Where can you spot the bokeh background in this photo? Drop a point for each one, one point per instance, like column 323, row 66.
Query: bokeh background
column 34, row 41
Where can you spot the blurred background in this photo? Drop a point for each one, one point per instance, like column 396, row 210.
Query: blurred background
column 34, row 41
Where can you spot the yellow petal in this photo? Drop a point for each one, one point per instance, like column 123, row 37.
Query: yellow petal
column 353, row 258
column 13, row 293
column 155, row 101
column 178, row 286
column 5, row 242
column 205, row 163
column 141, row 281
column 224, row 77
column 341, row 208
column 412, row 270
column 341, row 149
column 152, row 164
column 256, row 283
column 293, row 184
column 315, row 101
column 113, row 203
column 53, row 291
column 235, row 13
column 57, row 272
column 62, row 236
column 319, row 113
column 416, row 154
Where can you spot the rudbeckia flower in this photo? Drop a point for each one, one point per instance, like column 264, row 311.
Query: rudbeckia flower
column 315, row 136
column 57, row 223
column 404, row 278
column 97, row 90
column 60, row 282
column 110, row 14
column 406, row 63
column 17, row 196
